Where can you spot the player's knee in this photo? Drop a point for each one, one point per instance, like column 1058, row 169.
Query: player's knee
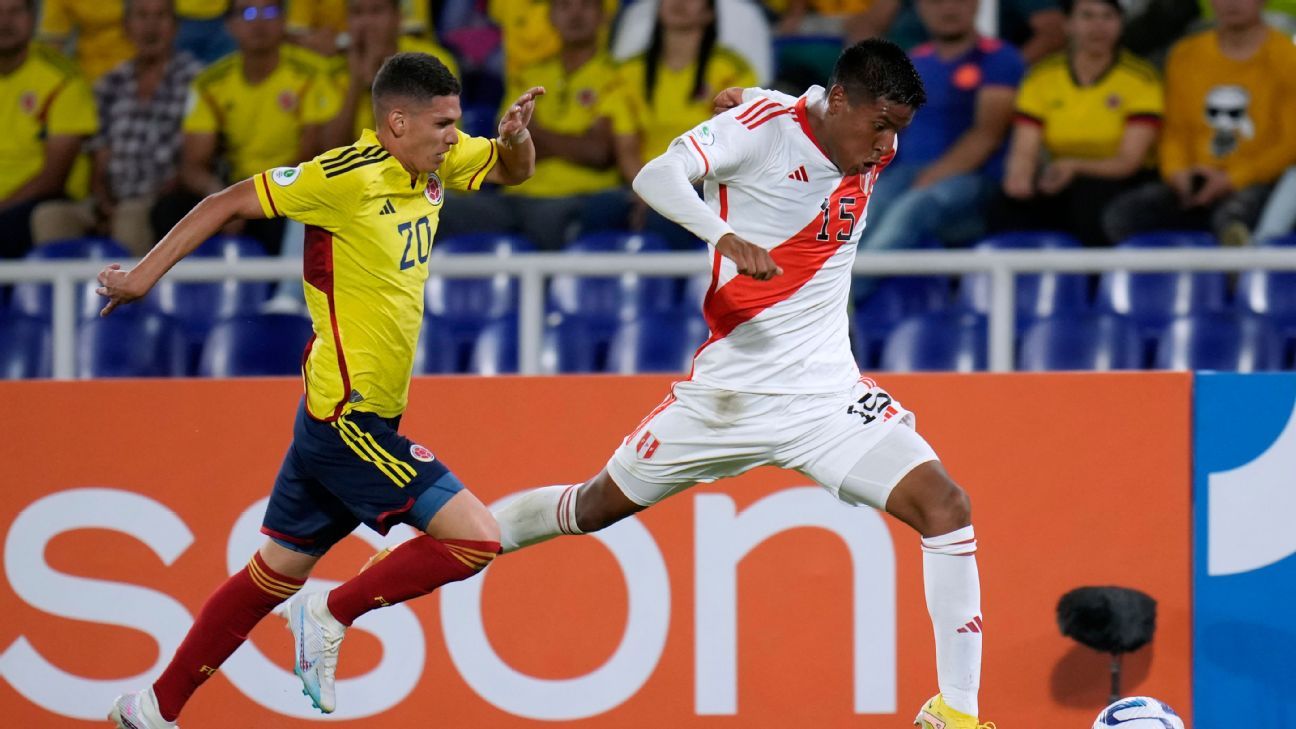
column 931, row 503
column 480, row 526
column 958, row 506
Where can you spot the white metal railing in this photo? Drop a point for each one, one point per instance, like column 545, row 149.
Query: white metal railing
column 533, row 269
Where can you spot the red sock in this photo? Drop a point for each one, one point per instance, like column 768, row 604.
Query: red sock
column 224, row 623
column 415, row 568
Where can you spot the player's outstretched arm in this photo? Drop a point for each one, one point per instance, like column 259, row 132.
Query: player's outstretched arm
column 516, row 149
column 122, row 286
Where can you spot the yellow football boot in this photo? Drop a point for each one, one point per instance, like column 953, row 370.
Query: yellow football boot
column 936, row 714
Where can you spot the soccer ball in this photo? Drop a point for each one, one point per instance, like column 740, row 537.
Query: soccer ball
column 1139, row 712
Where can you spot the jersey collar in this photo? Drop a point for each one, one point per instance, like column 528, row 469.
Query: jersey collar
column 815, row 94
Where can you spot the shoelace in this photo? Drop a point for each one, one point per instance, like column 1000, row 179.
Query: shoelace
column 331, row 643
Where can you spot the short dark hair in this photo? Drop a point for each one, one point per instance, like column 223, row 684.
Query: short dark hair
column 878, row 69
column 416, row 76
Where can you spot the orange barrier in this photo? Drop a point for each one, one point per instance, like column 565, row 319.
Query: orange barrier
column 126, row 503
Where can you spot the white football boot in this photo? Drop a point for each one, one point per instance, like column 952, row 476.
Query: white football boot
column 317, row 638
column 138, row 711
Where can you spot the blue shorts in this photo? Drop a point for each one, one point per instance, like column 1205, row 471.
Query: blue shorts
column 355, row 470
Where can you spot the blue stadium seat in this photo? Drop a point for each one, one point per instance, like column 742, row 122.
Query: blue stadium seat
column 953, row 341
column 199, row 305
column 474, row 300
column 573, row 344
column 36, row 299
column 131, row 343
column 1081, row 341
column 1272, row 294
column 79, row 248
column 1038, row 295
column 24, row 347
column 467, row 306
column 657, row 342
column 444, row 347
column 1153, row 300
column 891, row 300
column 611, row 299
column 1225, row 341
column 496, row 352
column 255, row 345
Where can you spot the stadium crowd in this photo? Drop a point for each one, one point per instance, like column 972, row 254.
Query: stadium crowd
column 1101, row 120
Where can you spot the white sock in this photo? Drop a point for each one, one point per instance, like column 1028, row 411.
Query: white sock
column 954, row 602
column 538, row 515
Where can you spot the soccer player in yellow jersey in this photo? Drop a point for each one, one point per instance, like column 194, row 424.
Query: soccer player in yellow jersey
column 370, row 211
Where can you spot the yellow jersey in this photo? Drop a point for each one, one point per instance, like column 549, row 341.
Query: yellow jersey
column 573, row 102
column 201, row 9
column 369, row 230
column 1087, row 122
column 529, row 36
column 45, row 97
column 1237, row 116
column 674, row 108
column 101, row 41
column 405, row 44
column 261, row 124
column 332, row 14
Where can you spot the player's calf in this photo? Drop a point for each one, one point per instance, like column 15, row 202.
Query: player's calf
column 544, row 513
column 601, row 503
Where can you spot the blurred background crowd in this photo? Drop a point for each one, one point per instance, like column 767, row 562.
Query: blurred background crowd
column 1098, row 121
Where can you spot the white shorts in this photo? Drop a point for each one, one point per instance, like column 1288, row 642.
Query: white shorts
column 700, row 434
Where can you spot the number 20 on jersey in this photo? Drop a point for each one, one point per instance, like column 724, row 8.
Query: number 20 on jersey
column 418, row 242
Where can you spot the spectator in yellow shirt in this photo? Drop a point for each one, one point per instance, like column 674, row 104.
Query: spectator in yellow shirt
column 1087, row 122
column 136, row 153
column 262, row 106
column 90, row 30
column 1230, row 130
column 320, row 24
column 672, row 85
column 585, row 122
column 374, row 35
column 529, row 35
column 46, row 112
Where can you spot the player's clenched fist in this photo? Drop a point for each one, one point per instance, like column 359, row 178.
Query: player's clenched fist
column 752, row 260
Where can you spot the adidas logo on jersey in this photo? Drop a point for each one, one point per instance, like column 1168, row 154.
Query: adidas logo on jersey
column 799, row 174
column 387, row 208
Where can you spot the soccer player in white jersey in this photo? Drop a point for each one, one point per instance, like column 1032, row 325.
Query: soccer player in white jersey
column 786, row 185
